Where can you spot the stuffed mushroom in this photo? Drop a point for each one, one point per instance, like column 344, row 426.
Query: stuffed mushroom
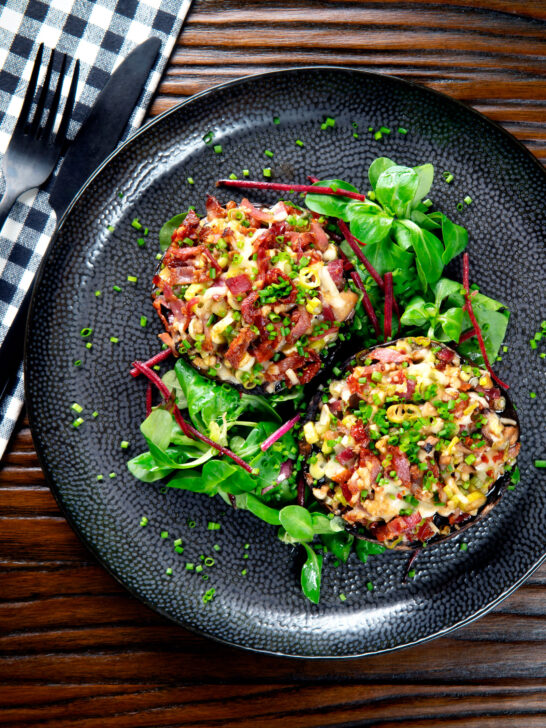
column 409, row 443
column 253, row 297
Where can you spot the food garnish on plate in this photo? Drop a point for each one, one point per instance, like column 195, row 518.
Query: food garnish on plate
column 409, row 442
column 251, row 296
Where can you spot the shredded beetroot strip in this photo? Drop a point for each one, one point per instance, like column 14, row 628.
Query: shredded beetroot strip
column 387, row 321
column 187, row 429
column 248, row 184
column 467, row 335
column 283, row 429
column 475, row 324
column 366, row 302
column 148, row 399
column 165, row 354
column 355, row 247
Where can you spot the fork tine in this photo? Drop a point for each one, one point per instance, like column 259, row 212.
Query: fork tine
column 67, row 113
column 55, row 103
column 42, row 97
column 27, row 103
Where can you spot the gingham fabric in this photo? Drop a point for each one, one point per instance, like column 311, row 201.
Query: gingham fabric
column 100, row 33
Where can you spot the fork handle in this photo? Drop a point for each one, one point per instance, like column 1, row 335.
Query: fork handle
column 12, row 348
column 6, row 204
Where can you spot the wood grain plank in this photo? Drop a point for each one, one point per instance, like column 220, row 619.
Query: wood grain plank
column 276, row 705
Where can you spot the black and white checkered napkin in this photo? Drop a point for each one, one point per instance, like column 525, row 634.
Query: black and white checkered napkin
column 100, row 33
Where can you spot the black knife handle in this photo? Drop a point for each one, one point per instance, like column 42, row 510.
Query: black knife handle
column 12, row 348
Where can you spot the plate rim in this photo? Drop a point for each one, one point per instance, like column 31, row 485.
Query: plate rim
column 31, row 415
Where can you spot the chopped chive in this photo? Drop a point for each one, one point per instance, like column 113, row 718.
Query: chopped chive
column 141, row 242
column 533, row 344
column 78, row 363
column 179, row 549
column 233, row 176
column 540, row 463
column 369, row 586
column 169, row 571
column 463, row 547
column 114, row 340
column 448, row 177
column 120, row 194
column 468, row 200
column 124, row 444
column 164, row 534
column 177, row 542
column 246, row 172
column 158, row 256
column 213, row 526
column 190, row 566
column 132, row 279
column 384, row 129
column 95, row 414
column 98, row 293
column 143, row 521
column 268, row 153
column 342, row 597
column 190, row 181
column 112, row 475
column 218, row 148
column 100, row 477
column 77, row 422
column 143, row 321
column 86, row 332
column 401, row 130
column 276, row 120
column 136, row 224
column 198, row 568
column 209, row 561
column 76, row 407
column 378, row 135
column 116, row 288
column 299, row 142
column 208, row 137
column 460, row 206
column 244, row 572
column 111, row 228
column 216, row 547
column 266, row 172
column 532, row 395
column 411, row 573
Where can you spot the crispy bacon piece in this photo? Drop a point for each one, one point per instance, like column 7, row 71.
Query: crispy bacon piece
column 188, row 229
column 396, row 527
column 425, row 531
column 214, row 208
column 311, row 368
column 401, row 464
column 239, row 346
column 360, row 433
column 445, row 355
column 277, row 370
column 388, row 356
column 368, row 460
column 335, row 269
column 248, row 309
column 300, row 322
column 267, row 347
column 345, row 456
column 410, row 389
column 239, row 284
column 255, row 213
column 321, row 238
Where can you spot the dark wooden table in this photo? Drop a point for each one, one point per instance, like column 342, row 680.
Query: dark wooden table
column 75, row 649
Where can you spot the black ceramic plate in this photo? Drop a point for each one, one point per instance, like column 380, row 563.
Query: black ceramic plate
column 264, row 609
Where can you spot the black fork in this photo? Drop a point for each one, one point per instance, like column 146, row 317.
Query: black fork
column 34, row 148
